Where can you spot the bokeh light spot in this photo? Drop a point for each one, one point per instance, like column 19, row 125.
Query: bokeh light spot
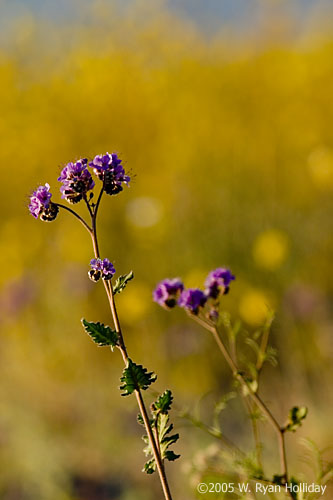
column 254, row 307
column 270, row 249
column 144, row 211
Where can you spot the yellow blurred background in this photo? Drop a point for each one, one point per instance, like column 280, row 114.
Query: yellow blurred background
column 228, row 138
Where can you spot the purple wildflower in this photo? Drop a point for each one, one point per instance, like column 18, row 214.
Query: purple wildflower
column 76, row 181
column 108, row 269
column 167, row 292
column 41, row 205
column 109, row 169
column 192, row 299
column 218, row 281
column 101, row 268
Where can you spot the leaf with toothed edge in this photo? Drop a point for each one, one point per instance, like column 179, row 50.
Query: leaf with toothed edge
column 160, row 424
column 135, row 377
column 102, row 335
column 163, row 402
column 122, row 281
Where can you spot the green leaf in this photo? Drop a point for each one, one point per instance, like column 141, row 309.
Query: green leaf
column 140, row 419
column 171, row 456
column 122, row 281
column 102, row 335
column 135, row 377
column 295, row 417
column 149, row 467
column 164, row 441
column 163, row 402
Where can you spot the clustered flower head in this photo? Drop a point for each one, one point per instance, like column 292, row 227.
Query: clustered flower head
column 171, row 292
column 41, row 205
column 76, row 181
column 101, row 269
column 217, row 282
column 109, row 169
column 167, row 292
column 192, row 299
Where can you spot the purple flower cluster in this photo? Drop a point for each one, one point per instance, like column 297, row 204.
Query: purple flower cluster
column 76, row 181
column 171, row 292
column 192, row 299
column 167, row 292
column 101, row 269
column 218, row 281
column 41, row 205
column 109, row 169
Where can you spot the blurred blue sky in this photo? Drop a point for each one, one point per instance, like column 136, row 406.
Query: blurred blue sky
column 206, row 13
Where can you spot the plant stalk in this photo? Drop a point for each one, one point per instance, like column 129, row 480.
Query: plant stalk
column 258, row 401
column 123, row 350
column 122, row 347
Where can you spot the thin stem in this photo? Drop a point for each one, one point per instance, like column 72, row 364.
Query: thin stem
column 98, row 201
column 88, row 205
column 158, row 460
column 89, row 229
column 248, row 406
column 262, row 351
column 256, row 435
column 122, row 347
column 279, row 430
column 229, row 444
column 157, row 441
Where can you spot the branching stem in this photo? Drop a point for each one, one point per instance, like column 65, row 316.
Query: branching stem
column 254, row 396
column 93, row 210
column 123, row 350
column 89, row 229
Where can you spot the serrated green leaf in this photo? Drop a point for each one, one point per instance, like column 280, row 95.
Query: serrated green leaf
column 149, row 467
column 171, row 456
column 102, row 335
column 163, row 402
column 135, row 377
column 164, row 441
column 122, row 281
column 140, row 419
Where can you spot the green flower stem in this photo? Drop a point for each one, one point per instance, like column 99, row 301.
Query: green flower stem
column 122, row 347
column 249, row 408
column 93, row 210
column 257, row 400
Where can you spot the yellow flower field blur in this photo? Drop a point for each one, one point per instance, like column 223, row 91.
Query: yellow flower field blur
column 230, row 150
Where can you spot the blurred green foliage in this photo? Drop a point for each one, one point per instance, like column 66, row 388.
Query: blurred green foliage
column 231, row 153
